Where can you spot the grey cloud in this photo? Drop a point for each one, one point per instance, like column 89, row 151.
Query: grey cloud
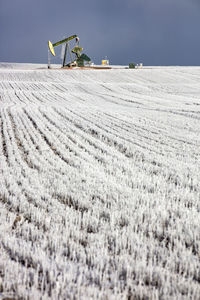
column 159, row 32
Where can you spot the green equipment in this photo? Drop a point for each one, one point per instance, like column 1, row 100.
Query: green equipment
column 79, row 59
column 131, row 66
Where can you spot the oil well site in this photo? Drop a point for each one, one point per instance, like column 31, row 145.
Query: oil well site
column 77, row 59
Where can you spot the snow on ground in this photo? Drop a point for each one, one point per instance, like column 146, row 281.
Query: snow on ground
column 99, row 183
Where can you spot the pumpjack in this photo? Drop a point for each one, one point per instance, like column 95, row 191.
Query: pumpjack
column 80, row 58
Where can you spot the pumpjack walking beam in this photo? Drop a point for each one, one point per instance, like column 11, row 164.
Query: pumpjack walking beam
column 51, row 46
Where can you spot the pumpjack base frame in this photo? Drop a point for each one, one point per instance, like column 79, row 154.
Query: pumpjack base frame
column 87, row 68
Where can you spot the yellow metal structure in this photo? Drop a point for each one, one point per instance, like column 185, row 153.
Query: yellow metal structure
column 51, row 48
column 80, row 58
column 105, row 62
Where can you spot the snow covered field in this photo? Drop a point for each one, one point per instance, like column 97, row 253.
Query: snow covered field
column 99, row 183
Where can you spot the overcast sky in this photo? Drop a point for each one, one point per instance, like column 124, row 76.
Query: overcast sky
column 155, row 32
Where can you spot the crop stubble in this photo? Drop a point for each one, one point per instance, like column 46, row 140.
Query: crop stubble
column 99, row 184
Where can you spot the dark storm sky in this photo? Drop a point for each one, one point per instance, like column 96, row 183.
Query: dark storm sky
column 155, row 32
